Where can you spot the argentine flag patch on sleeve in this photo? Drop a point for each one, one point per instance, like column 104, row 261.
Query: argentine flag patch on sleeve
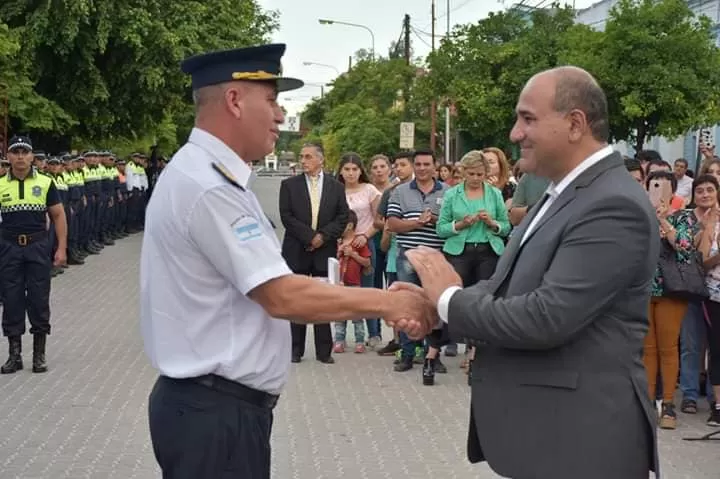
column 246, row 228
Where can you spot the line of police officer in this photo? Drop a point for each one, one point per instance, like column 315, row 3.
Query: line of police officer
column 56, row 211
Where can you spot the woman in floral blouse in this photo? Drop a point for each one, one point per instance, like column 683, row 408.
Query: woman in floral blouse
column 678, row 229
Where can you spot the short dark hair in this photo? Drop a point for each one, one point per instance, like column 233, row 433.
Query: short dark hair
column 648, row 155
column 403, row 154
column 662, row 175
column 683, row 161
column 417, row 153
column 582, row 92
column 634, row 165
column 659, row 162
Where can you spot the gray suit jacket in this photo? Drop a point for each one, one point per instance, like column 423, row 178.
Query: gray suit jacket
column 559, row 388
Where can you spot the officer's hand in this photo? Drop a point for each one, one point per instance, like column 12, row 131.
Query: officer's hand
column 60, row 258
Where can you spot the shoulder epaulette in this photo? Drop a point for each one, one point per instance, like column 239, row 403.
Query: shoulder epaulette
column 227, row 175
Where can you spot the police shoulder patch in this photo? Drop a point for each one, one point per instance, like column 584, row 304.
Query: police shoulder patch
column 36, row 191
column 246, row 228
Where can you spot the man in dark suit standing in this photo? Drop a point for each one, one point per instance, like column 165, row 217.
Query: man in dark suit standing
column 314, row 212
column 559, row 388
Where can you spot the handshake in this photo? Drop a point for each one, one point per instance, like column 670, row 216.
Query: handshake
column 413, row 308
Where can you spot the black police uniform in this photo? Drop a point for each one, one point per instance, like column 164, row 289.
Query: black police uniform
column 26, row 263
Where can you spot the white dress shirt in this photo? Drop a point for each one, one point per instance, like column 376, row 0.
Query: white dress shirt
column 553, row 191
column 684, row 187
column 320, row 177
column 207, row 244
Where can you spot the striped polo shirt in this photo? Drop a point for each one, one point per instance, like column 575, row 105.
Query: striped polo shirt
column 407, row 202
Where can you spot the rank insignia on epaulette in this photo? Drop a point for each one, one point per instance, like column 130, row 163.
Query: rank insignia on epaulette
column 229, row 177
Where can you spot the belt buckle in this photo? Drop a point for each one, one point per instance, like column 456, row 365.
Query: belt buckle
column 22, row 240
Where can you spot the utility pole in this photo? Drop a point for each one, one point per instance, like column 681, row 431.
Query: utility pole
column 433, row 106
column 447, row 107
column 406, row 31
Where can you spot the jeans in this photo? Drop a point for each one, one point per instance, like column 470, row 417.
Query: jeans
column 368, row 281
column 693, row 335
column 406, row 273
column 341, row 331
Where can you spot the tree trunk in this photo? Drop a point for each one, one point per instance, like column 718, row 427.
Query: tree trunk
column 641, row 133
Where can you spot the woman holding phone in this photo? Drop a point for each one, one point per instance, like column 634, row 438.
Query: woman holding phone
column 677, row 231
column 474, row 221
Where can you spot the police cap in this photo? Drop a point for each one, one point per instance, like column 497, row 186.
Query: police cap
column 54, row 161
column 20, row 142
column 259, row 63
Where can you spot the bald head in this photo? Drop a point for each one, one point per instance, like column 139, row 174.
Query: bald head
column 576, row 89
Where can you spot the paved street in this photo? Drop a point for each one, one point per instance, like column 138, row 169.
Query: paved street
column 86, row 418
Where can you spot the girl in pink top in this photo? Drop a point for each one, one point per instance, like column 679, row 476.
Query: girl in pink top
column 362, row 198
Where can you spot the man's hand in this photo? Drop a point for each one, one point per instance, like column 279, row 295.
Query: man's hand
column 435, row 273
column 60, row 257
column 415, row 314
column 316, row 242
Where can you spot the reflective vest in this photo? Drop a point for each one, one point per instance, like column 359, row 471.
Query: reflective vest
column 33, row 197
column 92, row 174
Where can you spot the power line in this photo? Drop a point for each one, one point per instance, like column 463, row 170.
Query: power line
column 420, row 38
column 454, row 9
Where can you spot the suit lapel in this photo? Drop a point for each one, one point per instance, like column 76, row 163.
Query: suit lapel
column 303, row 195
column 324, row 195
column 515, row 244
column 512, row 250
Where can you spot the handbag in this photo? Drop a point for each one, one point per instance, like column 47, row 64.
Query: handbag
column 682, row 279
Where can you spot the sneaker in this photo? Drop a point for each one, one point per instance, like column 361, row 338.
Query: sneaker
column 419, row 355
column 339, row 347
column 398, row 356
column 359, row 348
column 374, row 342
column 389, row 349
column 668, row 418
column 714, row 419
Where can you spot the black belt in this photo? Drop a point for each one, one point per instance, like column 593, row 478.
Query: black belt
column 244, row 393
column 26, row 239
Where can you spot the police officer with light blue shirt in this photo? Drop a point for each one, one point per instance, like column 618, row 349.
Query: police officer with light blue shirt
column 214, row 284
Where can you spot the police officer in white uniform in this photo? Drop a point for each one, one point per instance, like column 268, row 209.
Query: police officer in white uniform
column 213, row 281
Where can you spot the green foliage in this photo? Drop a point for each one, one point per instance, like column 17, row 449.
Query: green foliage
column 659, row 66
column 363, row 111
column 484, row 66
column 656, row 61
column 111, row 68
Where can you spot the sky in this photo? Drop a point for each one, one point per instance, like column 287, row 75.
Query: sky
column 309, row 41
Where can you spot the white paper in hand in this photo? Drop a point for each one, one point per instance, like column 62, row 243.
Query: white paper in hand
column 333, row 271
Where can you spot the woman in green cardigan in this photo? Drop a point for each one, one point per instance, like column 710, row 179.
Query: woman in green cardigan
column 474, row 222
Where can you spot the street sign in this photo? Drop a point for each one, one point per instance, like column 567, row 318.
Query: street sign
column 292, row 124
column 407, row 135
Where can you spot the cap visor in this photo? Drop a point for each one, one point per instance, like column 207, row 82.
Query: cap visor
column 288, row 84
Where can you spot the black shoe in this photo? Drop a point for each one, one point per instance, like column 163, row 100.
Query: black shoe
column 389, row 349
column 451, row 350
column 470, row 368
column 327, row 360
column 429, row 372
column 439, row 366
column 714, row 419
column 14, row 361
column 107, row 241
column 74, row 259
column 97, row 245
column 405, row 364
column 296, row 358
column 39, row 364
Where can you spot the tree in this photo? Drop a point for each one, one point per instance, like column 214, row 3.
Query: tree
column 113, row 66
column 659, row 66
column 362, row 112
column 26, row 106
column 483, row 67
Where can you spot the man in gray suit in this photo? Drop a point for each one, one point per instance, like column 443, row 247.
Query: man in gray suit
column 559, row 389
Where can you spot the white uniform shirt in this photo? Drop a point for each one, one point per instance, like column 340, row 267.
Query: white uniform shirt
column 207, row 244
